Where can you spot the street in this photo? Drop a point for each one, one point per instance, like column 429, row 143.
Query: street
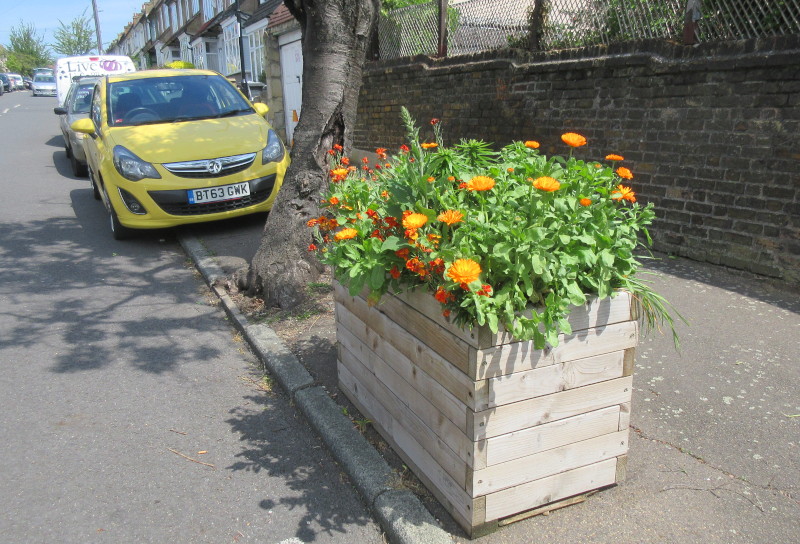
column 132, row 412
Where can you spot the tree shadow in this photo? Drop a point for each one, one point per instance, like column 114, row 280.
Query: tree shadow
column 61, row 279
column 274, row 446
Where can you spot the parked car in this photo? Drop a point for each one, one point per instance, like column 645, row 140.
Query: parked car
column 172, row 147
column 5, row 84
column 76, row 106
column 16, row 81
column 27, row 82
column 43, row 85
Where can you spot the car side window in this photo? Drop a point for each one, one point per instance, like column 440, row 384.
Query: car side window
column 96, row 109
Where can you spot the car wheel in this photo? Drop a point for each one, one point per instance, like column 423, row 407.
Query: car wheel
column 119, row 231
column 95, row 189
column 78, row 169
column 68, row 149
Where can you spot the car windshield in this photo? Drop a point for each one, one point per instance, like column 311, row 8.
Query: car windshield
column 44, row 79
column 173, row 99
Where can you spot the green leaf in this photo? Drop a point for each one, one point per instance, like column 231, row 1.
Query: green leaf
column 392, row 243
column 376, row 277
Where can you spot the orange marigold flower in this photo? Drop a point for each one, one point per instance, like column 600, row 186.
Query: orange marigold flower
column 395, row 272
column 462, row 185
column 586, row 202
column 381, row 152
column 532, row 144
column 345, row 234
column 339, row 173
column 480, row 183
column 404, row 148
column 402, row 253
column 446, row 313
column 546, row 183
column 623, row 193
column 429, row 145
column 450, row 178
column 384, row 194
column 365, row 160
column 434, row 121
column 315, row 221
column 312, row 247
column 450, row 217
column 464, row 271
column 431, row 179
column 624, row 173
column 333, row 201
column 573, row 140
column 510, row 170
column 345, row 161
column 441, row 295
column 337, row 147
column 414, row 220
column 613, row 157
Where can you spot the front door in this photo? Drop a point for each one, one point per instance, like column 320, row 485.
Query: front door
column 292, row 75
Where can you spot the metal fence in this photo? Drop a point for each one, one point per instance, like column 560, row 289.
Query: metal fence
column 479, row 25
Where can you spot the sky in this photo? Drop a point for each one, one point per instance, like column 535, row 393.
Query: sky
column 46, row 14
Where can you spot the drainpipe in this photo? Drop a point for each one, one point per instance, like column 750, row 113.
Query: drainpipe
column 245, row 87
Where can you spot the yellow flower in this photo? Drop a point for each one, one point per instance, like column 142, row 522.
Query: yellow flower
column 546, row 183
column 345, row 234
column 573, row 140
column 532, row 144
column 480, row 183
column 450, row 217
column 414, row 220
column 464, row 271
column 429, row 145
column 624, row 173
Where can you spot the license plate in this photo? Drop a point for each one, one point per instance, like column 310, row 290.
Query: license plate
column 217, row 194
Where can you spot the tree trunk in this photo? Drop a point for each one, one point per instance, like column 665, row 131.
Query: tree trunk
column 336, row 34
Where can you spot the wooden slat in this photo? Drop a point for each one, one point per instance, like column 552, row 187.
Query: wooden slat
column 521, row 415
column 526, row 496
column 622, row 468
column 376, row 330
column 595, row 313
column 451, row 348
column 555, row 378
column 624, row 415
column 395, row 366
column 445, row 443
column 552, row 435
column 521, row 356
column 547, row 463
column 416, row 457
column 402, row 399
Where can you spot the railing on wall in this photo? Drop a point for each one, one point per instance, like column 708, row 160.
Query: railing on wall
column 469, row 26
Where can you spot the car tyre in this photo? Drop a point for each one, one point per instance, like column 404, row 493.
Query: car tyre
column 118, row 230
column 78, row 169
column 95, row 188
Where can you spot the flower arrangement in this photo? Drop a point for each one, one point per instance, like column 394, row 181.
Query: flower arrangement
column 510, row 238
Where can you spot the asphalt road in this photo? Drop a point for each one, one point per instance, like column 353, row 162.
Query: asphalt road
column 130, row 410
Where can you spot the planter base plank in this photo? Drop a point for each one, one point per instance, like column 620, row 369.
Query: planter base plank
column 495, row 429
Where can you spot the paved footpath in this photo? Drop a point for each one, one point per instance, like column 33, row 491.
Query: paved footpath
column 715, row 428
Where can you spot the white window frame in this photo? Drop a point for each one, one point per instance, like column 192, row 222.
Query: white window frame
column 230, row 44
column 256, row 49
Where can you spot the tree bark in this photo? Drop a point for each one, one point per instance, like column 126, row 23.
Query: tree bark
column 336, row 35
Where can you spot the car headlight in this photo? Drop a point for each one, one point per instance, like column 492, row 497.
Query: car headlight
column 132, row 167
column 274, row 150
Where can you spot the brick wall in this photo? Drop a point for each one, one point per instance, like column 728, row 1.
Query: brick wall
column 711, row 133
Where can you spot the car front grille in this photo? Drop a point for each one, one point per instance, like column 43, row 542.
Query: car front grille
column 176, row 202
column 211, row 168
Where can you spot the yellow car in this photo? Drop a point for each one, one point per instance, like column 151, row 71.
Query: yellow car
column 172, row 147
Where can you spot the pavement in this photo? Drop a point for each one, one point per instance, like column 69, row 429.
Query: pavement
column 715, row 427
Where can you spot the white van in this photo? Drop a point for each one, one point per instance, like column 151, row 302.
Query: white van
column 68, row 68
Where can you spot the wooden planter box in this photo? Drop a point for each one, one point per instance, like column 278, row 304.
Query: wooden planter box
column 493, row 427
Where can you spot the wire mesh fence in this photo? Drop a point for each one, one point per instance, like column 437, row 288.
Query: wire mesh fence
column 479, row 25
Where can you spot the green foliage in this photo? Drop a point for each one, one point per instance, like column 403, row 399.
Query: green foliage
column 26, row 50
column 75, row 38
column 525, row 237
column 179, row 64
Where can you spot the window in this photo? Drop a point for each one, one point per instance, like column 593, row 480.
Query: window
column 198, row 55
column 173, row 17
column 230, row 41
column 255, row 41
column 186, row 49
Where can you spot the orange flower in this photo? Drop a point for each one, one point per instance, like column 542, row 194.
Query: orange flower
column 546, row 183
column 333, row 201
column 573, row 140
column 464, row 271
column 613, row 157
column 430, row 145
column 395, row 272
column 624, row 173
column 532, row 144
column 431, row 179
column 339, row 174
column 312, row 247
column 480, row 183
column 510, row 170
column 586, row 202
column 414, row 220
column 624, row 193
column 450, row 217
column 442, row 295
column 345, row 234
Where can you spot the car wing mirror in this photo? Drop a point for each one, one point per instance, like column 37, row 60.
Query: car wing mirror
column 261, row 109
column 60, row 111
column 84, row 126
